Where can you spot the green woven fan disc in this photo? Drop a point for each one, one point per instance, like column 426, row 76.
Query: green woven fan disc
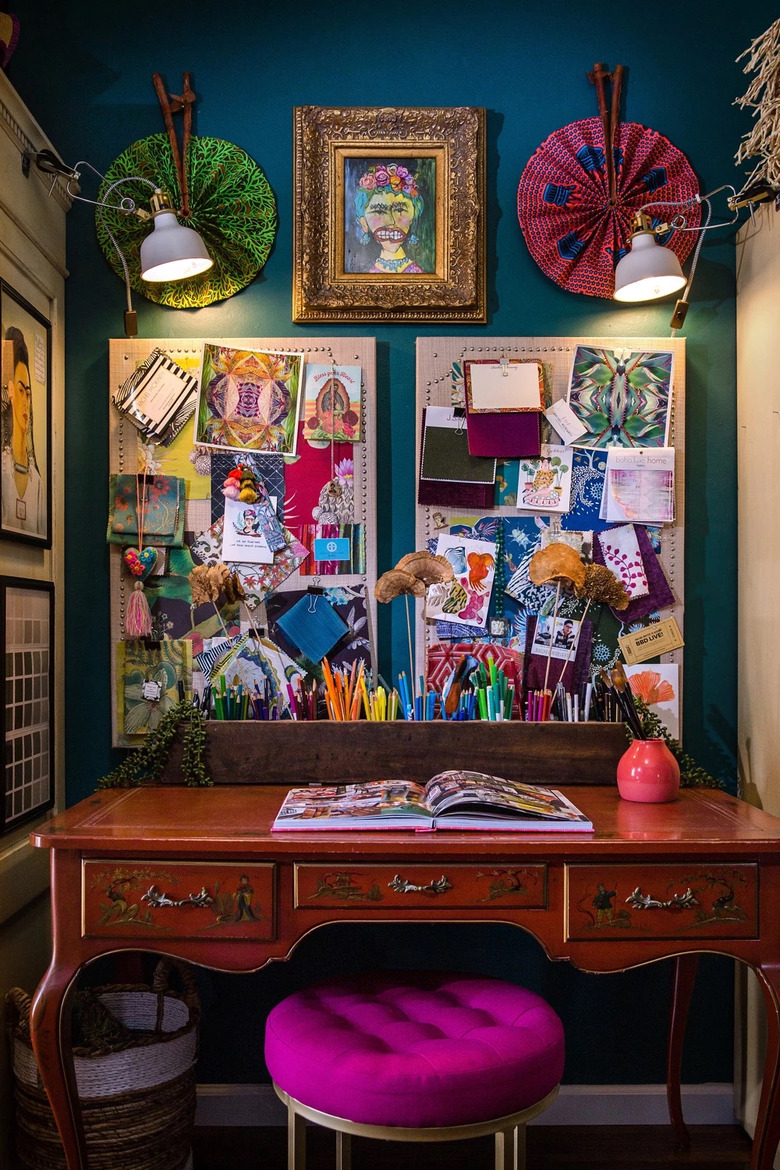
column 232, row 206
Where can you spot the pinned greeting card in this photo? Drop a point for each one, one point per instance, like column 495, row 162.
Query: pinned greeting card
column 245, row 533
column 658, row 686
column 332, row 403
column 506, row 385
column 545, row 483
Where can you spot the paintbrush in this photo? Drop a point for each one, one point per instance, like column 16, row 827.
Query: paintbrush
column 626, row 699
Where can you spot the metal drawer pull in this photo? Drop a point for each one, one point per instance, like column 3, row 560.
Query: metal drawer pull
column 677, row 902
column 402, row 886
column 155, row 898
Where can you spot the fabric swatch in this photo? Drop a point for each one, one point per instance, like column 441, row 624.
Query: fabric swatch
column 659, row 593
column 349, row 601
column 313, row 625
column 306, row 475
column 619, row 551
column 163, row 499
column 504, row 435
column 355, row 563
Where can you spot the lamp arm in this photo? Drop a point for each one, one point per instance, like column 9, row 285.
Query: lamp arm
column 679, row 223
column 126, row 204
column 131, row 325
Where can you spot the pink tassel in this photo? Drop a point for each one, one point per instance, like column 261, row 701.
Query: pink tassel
column 138, row 623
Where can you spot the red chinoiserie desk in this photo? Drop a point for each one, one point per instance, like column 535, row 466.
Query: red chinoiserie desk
column 196, row 873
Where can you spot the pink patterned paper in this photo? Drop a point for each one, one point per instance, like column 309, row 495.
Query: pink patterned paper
column 620, row 549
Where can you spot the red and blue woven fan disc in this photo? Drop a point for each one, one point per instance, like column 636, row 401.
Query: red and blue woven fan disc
column 573, row 233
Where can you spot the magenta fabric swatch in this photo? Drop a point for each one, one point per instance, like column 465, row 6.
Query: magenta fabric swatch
column 446, row 494
column 506, row 435
column 659, row 592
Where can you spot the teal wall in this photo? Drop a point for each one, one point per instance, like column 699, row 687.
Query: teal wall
column 84, row 69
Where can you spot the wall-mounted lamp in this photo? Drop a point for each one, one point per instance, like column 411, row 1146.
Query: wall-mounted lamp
column 171, row 251
column 649, row 270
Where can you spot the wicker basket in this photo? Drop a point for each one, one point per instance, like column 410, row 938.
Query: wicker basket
column 137, row 1094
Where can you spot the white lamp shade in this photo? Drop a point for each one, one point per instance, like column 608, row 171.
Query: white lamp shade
column 647, row 271
column 172, row 251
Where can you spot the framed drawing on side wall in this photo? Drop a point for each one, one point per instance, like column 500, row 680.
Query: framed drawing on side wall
column 25, row 421
column 389, row 214
column 27, row 641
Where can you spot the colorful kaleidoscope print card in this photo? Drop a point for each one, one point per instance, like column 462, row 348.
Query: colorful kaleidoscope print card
column 249, row 400
column 622, row 397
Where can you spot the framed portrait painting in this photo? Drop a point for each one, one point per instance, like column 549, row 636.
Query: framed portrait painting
column 25, row 421
column 389, row 214
column 27, row 637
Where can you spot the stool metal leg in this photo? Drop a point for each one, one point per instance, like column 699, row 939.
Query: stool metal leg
column 510, row 1148
column 343, row 1151
column 296, row 1139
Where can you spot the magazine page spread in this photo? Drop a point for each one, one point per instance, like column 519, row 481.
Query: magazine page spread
column 345, row 803
column 450, row 800
column 477, row 793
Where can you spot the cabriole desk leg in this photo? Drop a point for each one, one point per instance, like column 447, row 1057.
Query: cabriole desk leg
column 683, row 979
column 50, row 1020
column 767, row 1132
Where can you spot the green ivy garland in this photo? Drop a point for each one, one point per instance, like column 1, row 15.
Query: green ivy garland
column 145, row 765
column 691, row 774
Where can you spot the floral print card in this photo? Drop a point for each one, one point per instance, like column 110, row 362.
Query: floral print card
column 658, row 686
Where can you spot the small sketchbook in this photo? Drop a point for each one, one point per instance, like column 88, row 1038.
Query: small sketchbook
column 450, row 800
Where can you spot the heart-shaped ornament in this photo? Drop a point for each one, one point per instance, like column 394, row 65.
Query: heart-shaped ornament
column 142, row 563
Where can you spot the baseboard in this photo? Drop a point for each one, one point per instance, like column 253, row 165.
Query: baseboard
column 711, row 1104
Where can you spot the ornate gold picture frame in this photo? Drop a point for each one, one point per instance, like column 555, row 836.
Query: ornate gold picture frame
column 389, row 214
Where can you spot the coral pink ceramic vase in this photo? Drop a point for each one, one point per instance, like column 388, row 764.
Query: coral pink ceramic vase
column 648, row 772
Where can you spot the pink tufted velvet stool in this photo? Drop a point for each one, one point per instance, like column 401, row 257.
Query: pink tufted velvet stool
column 414, row 1056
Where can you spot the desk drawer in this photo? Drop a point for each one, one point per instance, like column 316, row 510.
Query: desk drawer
column 162, row 899
column 695, row 901
column 419, row 887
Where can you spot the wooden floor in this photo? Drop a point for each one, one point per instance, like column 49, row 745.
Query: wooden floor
column 592, row 1147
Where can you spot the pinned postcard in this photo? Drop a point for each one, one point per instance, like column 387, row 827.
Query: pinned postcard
column 562, row 632
column 249, row 399
column 640, row 486
column 244, row 537
column 467, row 597
column 503, row 386
column 622, row 397
column 332, row 403
column 545, row 483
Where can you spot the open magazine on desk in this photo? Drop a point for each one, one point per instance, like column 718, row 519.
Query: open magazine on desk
column 450, row 800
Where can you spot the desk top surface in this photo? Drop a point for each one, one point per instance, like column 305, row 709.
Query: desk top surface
column 237, row 820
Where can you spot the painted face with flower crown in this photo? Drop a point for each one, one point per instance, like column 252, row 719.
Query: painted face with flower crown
column 387, row 204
